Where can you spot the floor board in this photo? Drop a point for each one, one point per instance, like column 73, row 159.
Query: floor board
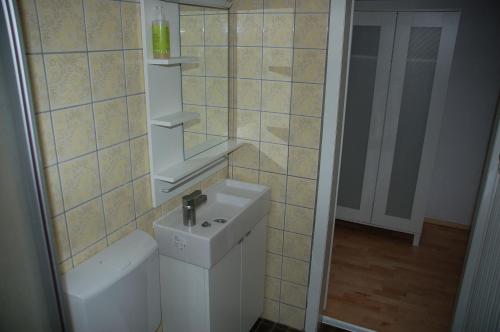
column 380, row 281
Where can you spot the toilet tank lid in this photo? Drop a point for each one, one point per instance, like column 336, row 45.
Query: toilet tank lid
column 108, row 266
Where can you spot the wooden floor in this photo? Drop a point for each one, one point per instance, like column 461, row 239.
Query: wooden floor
column 380, row 281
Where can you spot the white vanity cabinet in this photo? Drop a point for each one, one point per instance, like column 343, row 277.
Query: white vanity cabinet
column 228, row 297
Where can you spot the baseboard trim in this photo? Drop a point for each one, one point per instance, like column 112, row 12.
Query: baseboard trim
column 446, row 223
column 343, row 325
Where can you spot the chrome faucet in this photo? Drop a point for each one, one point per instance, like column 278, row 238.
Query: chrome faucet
column 189, row 204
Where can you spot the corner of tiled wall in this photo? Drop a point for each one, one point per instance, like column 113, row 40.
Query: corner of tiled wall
column 86, row 71
column 278, row 55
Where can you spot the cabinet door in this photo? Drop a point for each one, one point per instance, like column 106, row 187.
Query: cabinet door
column 369, row 69
column 225, row 294
column 423, row 52
column 253, row 269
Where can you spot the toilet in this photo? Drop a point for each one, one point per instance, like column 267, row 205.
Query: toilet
column 118, row 289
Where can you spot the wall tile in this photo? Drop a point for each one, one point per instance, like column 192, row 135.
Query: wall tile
column 193, row 90
column 248, row 62
column 142, row 195
column 273, row 265
column 191, row 28
column 271, row 310
column 303, row 162
column 107, row 76
column 54, row 190
column 272, row 288
column 145, row 222
column 114, row 166
column 274, row 128
column 301, row 192
column 61, row 238
column 131, row 25
column 104, row 27
column 276, row 96
column 74, row 132
column 296, row 246
column 198, row 68
column 137, row 117
column 307, row 99
column 277, row 215
column 111, row 122
column 247, row 94
column 191, row 10
column 292, row 316
column 46, row 138
column 89, row 252
column 305, row 131
column 121, row 232
column 311, row 30
column 79, row 180
column 312, row 6
column 278, row 30
column 295, row 271
column 247, row 6
column 248, row 29
column 245, row 175
column 276, row 182
column 293, row 294
column 68, row 79
column 118, row 207
column 279, row 6
column 29, row 22
column 134, row 72
column 299, row 219
column 216, row 30
column 247, row 155
column 38, row 83
column 309, row 66
column 216, row 59
column 140, row 156
column 217, row 123
column 247, row 124
column 277, row 64
column 61, row 25
column 217, row 91
column 274, row 240
column 273, row 157
column 85, row 225
column 198, row 125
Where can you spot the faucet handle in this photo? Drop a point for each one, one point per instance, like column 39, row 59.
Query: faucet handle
column 192, row 196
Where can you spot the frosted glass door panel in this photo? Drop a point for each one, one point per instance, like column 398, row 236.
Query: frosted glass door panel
column 423, row 51
column 417, row 90
column 369, row 69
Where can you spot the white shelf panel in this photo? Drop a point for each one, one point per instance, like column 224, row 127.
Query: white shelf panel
column 173, row 61
column 174, row 119
column 182, row 170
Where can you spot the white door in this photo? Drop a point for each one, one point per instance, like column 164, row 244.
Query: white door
column 369, row 70
column 423, row 52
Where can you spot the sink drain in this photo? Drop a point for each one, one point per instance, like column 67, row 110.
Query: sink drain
column 220, row 220
column 205, row 224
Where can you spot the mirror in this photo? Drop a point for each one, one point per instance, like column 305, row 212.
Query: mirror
column 205, row 88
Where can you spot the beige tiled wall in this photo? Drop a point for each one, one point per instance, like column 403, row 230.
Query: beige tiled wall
column 85, row 61
column 278, row 50
column 204, row 34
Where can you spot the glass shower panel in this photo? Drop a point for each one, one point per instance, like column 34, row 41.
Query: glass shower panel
column 417, row 89
column 362, row 72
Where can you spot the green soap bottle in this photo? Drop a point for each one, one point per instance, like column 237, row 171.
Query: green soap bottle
column 161, row 35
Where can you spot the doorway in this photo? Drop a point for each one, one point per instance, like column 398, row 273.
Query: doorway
column 382, row 276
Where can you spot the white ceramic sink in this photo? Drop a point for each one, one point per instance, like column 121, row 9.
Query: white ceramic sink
column 241, row 204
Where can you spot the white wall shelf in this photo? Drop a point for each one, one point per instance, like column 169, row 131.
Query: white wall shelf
column 184, row 169
column 173, row 61
column 174, row 119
